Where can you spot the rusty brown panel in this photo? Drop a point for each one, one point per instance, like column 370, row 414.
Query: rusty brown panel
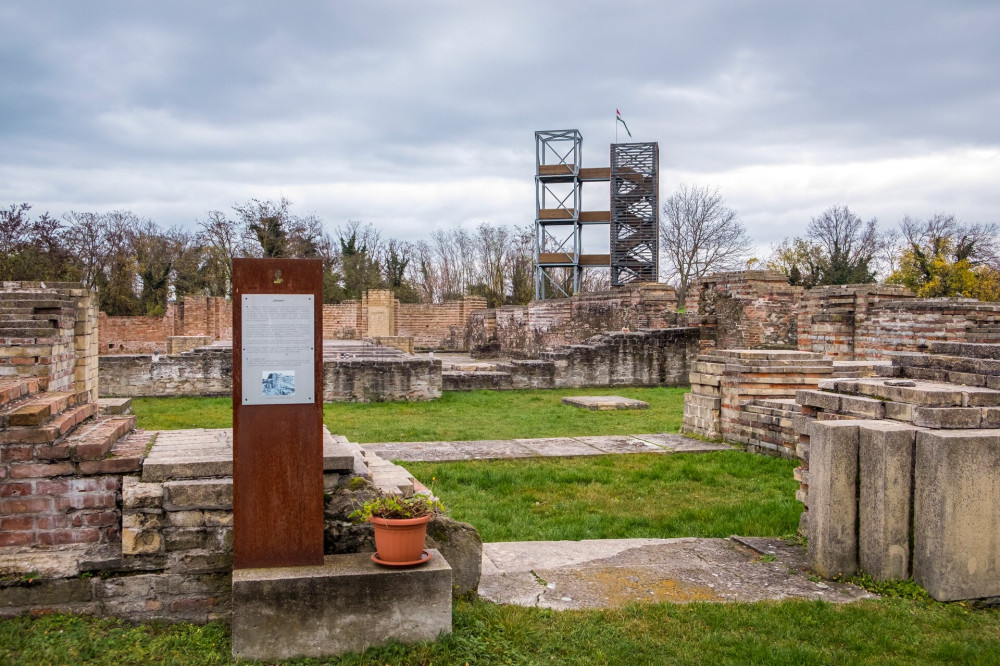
column 595, row 259
column 595, row 216
column 555, row 169
column 554, row 258
column 277, row 449
column 598, row 173
column 555, row 214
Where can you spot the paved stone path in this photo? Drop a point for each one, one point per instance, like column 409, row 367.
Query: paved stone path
column 549, row 447
column 603, row 573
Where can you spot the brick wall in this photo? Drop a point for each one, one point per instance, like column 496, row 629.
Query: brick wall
column 901, row 326
column 829, row 315
column 49, row 332
column 342, row 321
column 746, row 309
column 438, row 326
column 133, row 335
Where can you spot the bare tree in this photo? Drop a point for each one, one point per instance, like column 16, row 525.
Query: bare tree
column 699, row 235
column 849, row 245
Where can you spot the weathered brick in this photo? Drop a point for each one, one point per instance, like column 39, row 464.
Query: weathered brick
column 40, row 471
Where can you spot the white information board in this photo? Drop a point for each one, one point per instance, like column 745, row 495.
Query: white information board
column 278, row 349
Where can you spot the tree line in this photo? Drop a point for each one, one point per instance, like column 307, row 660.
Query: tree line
column 934, row 257
column 137, row 267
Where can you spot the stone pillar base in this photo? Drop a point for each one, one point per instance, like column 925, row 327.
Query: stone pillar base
column 346, row 605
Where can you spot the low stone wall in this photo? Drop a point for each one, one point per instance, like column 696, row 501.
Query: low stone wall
column 381, row 380
column 659, row 357
column 526, row 331
column 208, row 371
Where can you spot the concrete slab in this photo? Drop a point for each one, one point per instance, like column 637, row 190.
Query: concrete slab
column 681, row 444
column 567, row 575
column 346, row 605
column 559, row 446
column 601, row 403
column 620, row 444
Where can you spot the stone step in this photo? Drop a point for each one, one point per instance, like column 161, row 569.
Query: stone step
column 966, row 349
column 93, row 440
column 989, row 366
column 115, row 405
column 922, row 393
column 39, row 408
column 52, row 430
column 16, row 389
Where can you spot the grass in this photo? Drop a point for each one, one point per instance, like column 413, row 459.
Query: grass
column 455, row 416
column 615, row 497
column 893, row 631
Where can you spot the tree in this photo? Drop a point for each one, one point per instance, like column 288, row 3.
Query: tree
column 848, row 246
column 801, row 261
column 942, row 257
column 32, row 249
column 699, row 235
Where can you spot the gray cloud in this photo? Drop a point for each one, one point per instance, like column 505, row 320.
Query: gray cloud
column 419, row 115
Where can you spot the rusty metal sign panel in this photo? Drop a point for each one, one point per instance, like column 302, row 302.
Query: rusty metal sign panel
column 278, row 431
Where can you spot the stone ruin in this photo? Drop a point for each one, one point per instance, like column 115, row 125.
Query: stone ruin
column 100, row 518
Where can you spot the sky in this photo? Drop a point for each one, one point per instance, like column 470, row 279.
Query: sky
column 416, row 116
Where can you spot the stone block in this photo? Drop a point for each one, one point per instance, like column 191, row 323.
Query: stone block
column 885, row 464
column 198, row 494
column 956, row 516
column 346, row 605
column 819, row 399
column 898, row 411
column 138, row 495
column 600, row 403
column 141, row 542
column 947, row 417
column 866, row 408
column 833, row 505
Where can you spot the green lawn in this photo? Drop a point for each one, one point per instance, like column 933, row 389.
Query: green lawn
column 889, row 631
column 620, row 496
column 455, row 416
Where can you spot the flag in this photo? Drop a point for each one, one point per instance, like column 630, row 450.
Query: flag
column 618, row 116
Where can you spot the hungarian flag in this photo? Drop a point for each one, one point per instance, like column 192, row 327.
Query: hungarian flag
column 618, row 115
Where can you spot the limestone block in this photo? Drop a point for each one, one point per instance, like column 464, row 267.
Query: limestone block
column 138, row 495
column 140, row 542
column 956, row 516
column 947, row 417
column 346, row 605
column 898, row 411
column 818, row 399
column 198, row 494
column 866, row 408
column 833, row 506
column 885, row 454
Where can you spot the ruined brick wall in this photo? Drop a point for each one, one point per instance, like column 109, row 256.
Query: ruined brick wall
column 205, row 315
column 342, row 321
column 49, row 332
column 439, row 326
column 901, row 326
column 829, row 315
column 525, row 331
column 381, row 380
column 133, row 335
column 746, row 309
column 200, row 372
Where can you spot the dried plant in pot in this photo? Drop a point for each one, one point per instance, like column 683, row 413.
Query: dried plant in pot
column 400, row 527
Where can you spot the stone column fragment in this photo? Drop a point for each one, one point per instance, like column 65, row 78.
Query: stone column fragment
column 833, row 498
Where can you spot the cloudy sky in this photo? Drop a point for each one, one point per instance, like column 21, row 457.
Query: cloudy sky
column 420, row 115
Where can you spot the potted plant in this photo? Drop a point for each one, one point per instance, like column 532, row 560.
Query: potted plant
column 400, row 527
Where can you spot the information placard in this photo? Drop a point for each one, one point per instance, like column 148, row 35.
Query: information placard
column 278, row 349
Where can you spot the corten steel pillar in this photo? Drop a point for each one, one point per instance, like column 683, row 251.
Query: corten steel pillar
column 277, row 430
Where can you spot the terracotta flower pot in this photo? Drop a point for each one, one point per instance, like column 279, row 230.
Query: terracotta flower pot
column 400, row 541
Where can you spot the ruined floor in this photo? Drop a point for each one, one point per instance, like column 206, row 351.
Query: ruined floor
column 607, row 573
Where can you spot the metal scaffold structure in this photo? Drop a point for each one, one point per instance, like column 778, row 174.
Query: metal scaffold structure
column 559, row 222
column 634, row 212
column 633, row 216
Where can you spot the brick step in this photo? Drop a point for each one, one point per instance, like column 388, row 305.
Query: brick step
column 25, row 328
column 115, row 406
column 15, row 389
column 93, row 440
column 126, row 455
column 39, row 408
column 52, row 430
